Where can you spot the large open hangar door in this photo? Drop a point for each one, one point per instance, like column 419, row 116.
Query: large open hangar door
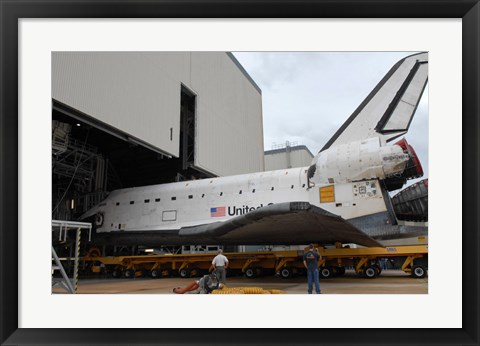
column 90, row 159
column 125, row 119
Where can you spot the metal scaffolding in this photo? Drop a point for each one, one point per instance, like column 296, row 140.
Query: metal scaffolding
column 81, row 174
column 70, row 284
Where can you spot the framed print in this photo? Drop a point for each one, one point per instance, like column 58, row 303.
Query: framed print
column 31, row 31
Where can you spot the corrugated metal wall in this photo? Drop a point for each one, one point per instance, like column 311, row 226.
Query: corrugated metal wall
column 138, row 93
column 229, row 117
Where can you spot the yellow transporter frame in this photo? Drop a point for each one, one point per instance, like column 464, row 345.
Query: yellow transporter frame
column 252, row 264
column 365, row 260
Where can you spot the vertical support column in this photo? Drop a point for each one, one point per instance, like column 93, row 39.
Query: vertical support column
column 77, row 254
column 288, row 153
column 106, row 177
column 60, row 234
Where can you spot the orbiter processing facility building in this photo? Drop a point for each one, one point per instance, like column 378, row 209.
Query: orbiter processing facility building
column 124, row 119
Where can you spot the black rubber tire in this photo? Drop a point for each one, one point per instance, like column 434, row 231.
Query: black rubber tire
column 184, row 273
column 326, row 272
column 117, row 273
column 250, row 273
column 370, row 272
column 156, row 273
column 419, row 272
column 286, row 273
column 129, row 274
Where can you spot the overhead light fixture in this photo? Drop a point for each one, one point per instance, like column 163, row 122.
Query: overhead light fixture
column 78, row 124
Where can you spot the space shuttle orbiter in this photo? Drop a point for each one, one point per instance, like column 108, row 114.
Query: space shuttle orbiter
column 342, row 197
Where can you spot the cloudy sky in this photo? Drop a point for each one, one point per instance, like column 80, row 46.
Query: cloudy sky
column 307, row 96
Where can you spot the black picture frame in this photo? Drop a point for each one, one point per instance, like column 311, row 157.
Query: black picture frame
column 11, row 11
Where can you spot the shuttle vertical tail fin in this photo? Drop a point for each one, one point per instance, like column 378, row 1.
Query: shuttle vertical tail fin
column 388, row 110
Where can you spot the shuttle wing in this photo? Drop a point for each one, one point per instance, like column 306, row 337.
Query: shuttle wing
column 388, row 110
column 284, row 223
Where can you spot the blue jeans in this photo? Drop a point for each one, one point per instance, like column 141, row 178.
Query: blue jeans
column 221, row 274
column 313, row 276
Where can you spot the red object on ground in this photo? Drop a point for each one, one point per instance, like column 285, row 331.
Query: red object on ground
column 192, row 287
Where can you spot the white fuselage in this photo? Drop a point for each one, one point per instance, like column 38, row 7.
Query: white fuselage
column 345, row 183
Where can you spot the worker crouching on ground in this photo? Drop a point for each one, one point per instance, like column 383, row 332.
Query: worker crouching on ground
column 205, row 285
column 310, row 261
column 220, row 264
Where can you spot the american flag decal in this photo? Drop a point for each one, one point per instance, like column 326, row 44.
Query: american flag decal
column 217, row 212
